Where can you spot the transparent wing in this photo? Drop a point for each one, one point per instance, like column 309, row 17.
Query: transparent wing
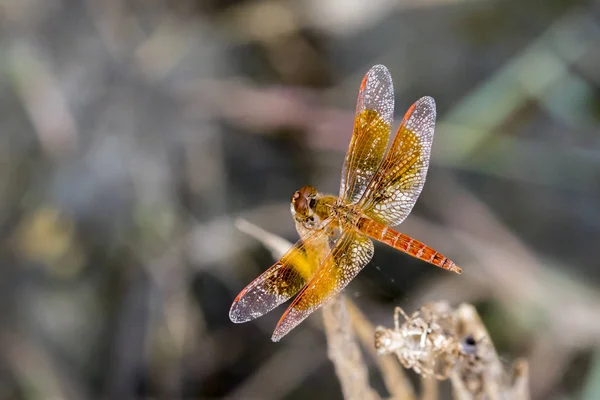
column 372, row 127
column 395, row 188
column 282, row 280
column 352, row 252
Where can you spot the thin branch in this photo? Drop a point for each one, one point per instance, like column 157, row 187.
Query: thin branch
column 430, row 389
column 393, row 375
column 344, row 352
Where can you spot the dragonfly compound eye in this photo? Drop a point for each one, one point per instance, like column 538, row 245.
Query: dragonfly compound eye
column 300, row 203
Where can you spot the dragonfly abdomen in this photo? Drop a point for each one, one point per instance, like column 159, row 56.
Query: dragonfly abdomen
column 405, row 244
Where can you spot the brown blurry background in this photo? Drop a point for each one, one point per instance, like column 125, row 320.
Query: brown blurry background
column 135, row 133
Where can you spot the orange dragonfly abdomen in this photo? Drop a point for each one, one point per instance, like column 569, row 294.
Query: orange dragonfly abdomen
column 405, row 244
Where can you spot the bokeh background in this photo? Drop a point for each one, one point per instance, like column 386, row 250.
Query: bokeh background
column 135, row 133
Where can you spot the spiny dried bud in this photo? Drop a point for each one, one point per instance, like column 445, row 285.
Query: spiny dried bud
column 441, row 342
column 425, row 342
column 387, row 340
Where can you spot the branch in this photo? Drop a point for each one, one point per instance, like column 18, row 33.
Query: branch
column 344, row 352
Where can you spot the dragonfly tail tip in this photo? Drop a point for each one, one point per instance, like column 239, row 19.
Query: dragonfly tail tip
column 456, row 269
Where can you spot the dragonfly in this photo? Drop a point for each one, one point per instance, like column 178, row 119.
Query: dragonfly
column 378, row 189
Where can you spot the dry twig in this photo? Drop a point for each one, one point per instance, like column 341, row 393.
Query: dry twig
column 344, row 352
column 395, row 379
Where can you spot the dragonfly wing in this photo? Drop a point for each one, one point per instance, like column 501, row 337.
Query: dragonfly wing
column 282, row 280
column 372, row 127
column 351, row 253
column 395, row 188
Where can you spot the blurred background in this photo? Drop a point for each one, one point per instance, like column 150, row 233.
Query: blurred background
column 135, row 133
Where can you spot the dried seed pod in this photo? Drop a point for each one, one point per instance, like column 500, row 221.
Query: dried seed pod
column 425, row 341
column 441, row 342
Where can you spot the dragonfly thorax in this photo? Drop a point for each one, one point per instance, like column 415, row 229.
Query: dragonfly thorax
column 346, row 214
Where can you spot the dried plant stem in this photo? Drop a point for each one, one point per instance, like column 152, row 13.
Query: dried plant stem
column 344, row 351
column 429, row 389
column 520, row 375
column 393, row 375
column 468, row 322
column 491, row 380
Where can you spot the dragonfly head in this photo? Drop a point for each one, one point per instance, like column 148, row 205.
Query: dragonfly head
column 303, row 206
